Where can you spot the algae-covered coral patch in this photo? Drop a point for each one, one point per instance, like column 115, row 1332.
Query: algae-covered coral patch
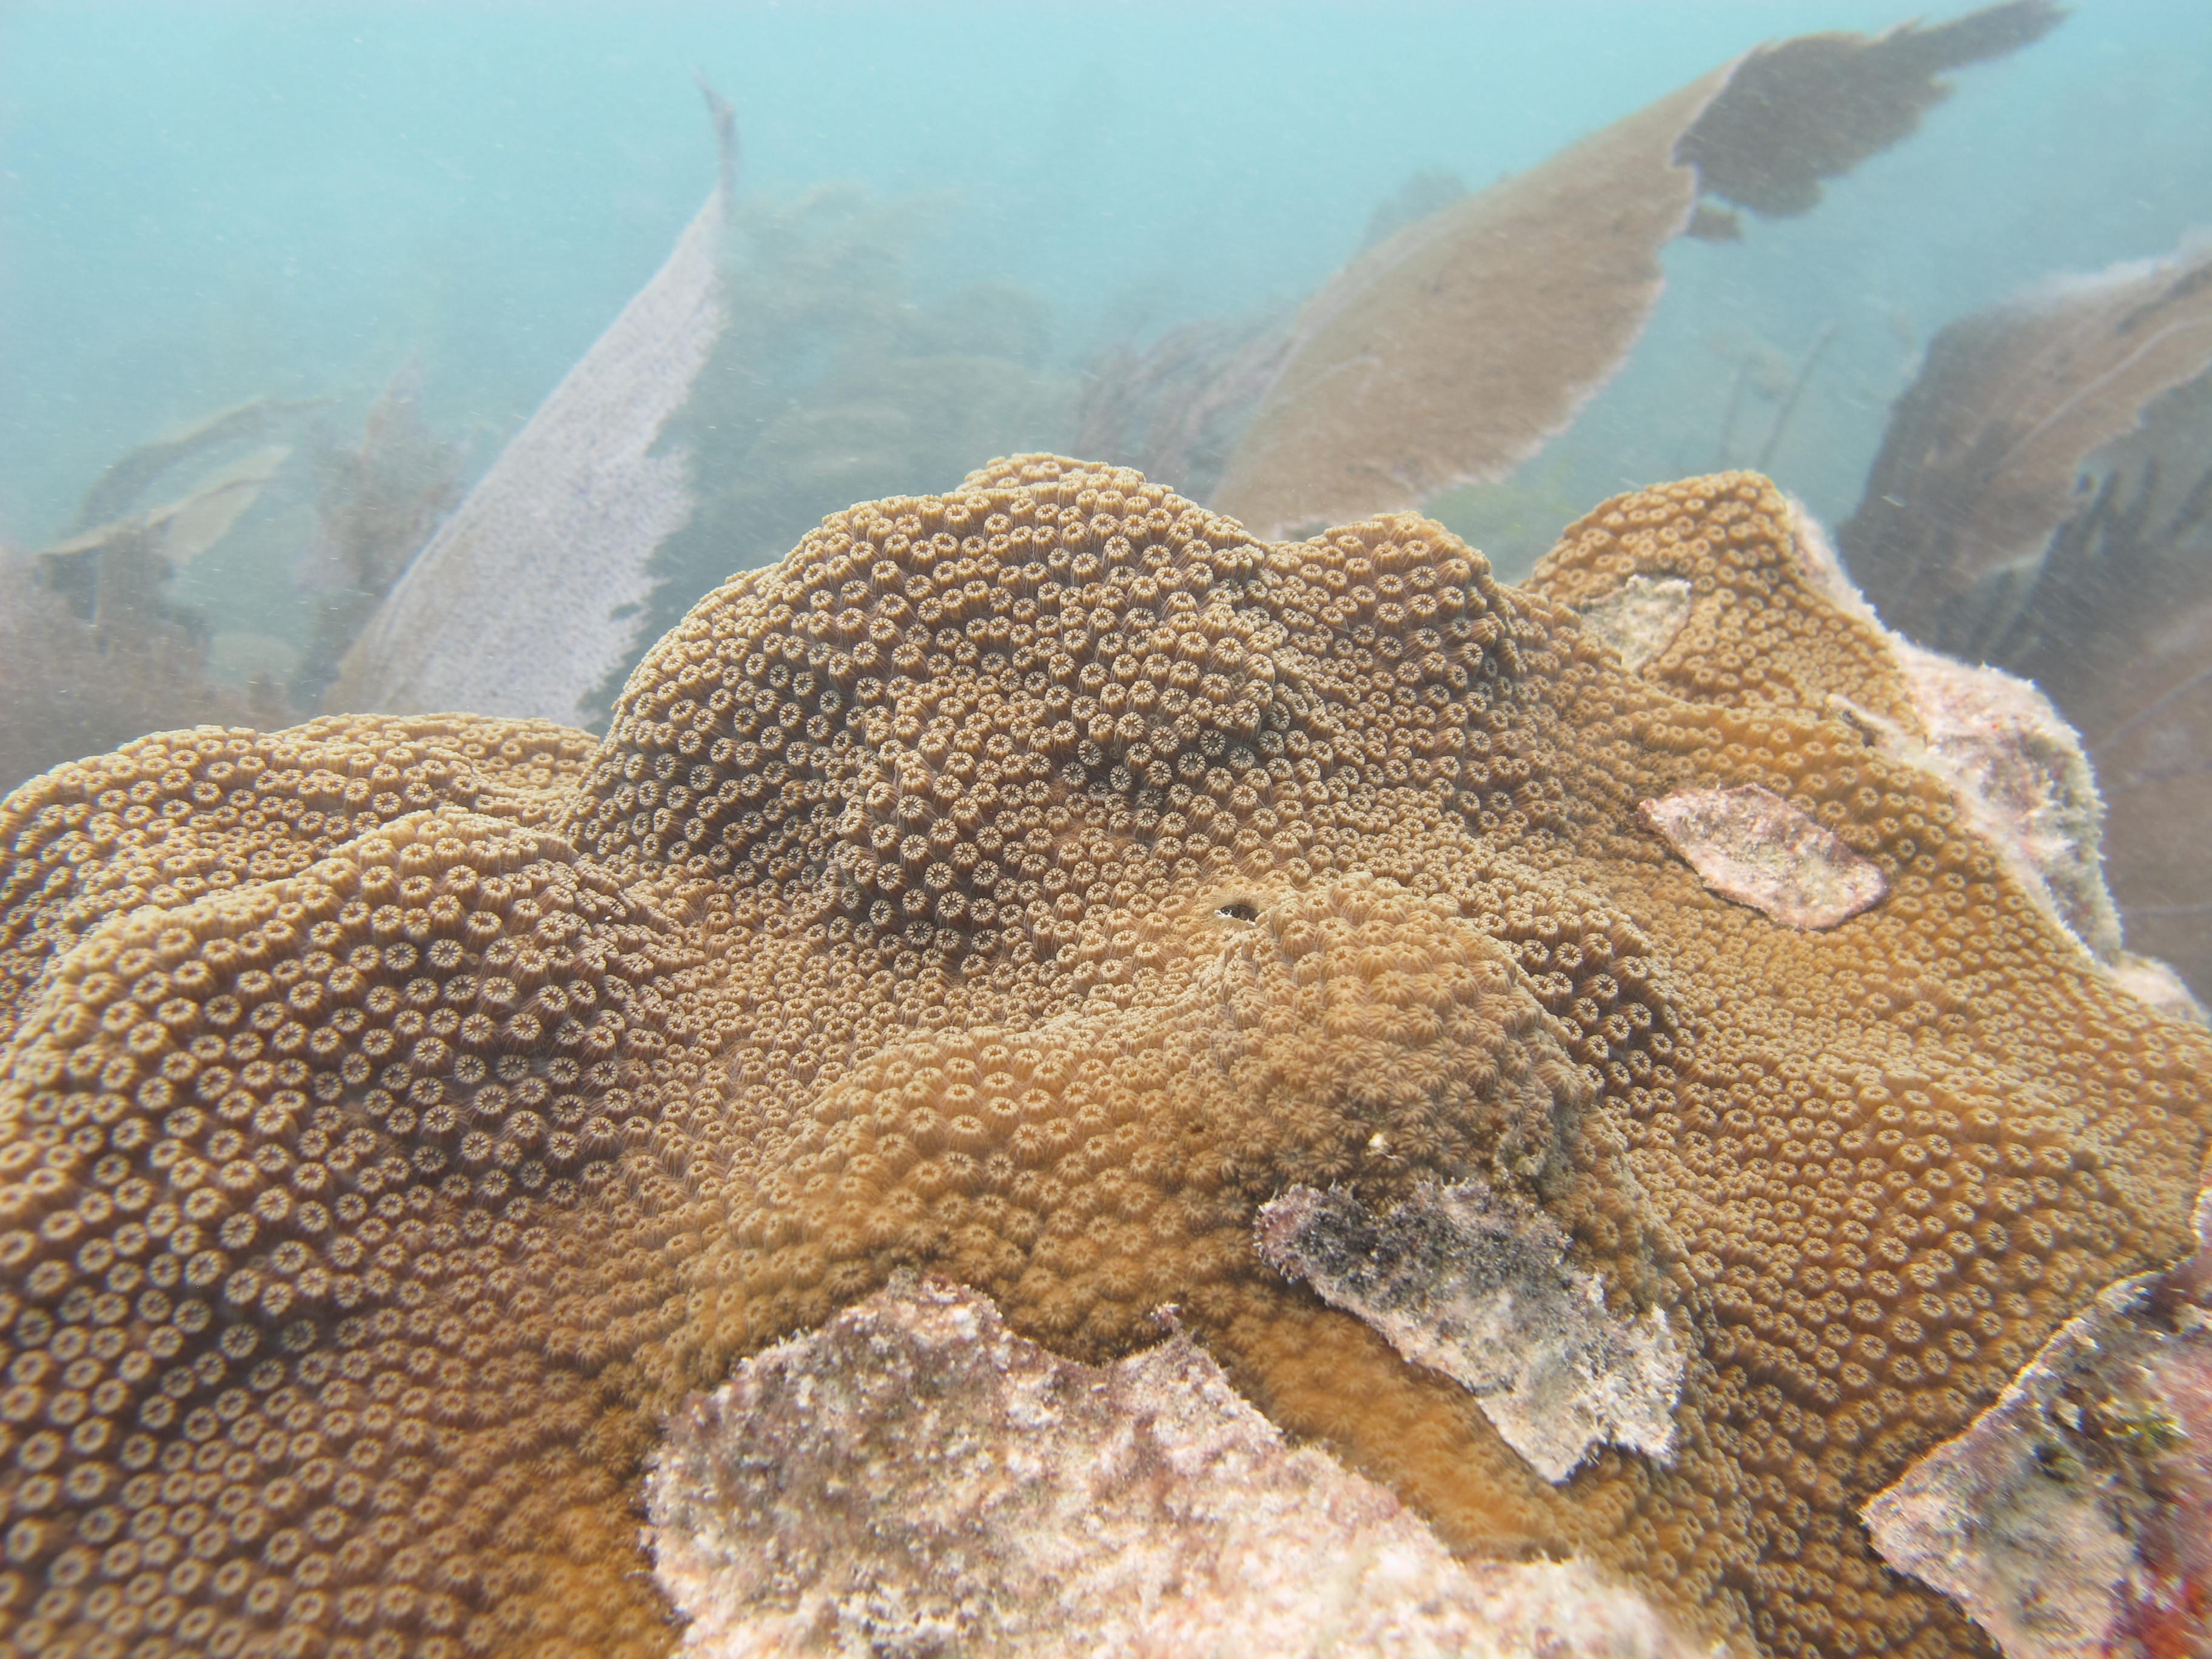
column 1029, row 884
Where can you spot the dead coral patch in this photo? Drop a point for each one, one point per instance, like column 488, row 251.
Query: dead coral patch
column 1015, row 1503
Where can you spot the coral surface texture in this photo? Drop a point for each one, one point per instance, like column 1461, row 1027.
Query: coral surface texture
column 403, row 1117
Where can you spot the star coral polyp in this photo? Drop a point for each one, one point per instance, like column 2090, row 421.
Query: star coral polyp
column 1029, row 885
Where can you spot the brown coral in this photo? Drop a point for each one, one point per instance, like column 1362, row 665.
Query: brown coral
column 2075, row 1518
column 168, row 820
column 1029, row 884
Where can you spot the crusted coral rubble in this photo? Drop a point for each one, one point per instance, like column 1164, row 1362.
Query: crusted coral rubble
column 1015, row 1503
column 1028, row 883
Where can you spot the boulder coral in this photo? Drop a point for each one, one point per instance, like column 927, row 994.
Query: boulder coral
column 403, row 1117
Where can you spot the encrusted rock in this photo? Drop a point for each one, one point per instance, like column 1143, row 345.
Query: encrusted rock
column 914, row 1479
column 1750, row 845
column 2073, row 1519
column 2019, row 772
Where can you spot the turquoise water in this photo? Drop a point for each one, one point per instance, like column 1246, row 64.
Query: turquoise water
column 946, row 215
column 206, row 203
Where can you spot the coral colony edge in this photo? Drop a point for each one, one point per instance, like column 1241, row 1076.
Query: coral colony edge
column 1049, row 888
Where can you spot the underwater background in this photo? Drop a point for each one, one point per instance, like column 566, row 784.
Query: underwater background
column 952, row 225
column 203, row 204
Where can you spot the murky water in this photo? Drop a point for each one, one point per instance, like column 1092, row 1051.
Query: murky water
column 387, row 233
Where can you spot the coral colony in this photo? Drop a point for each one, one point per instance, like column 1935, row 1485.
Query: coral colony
column 1030, row 885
